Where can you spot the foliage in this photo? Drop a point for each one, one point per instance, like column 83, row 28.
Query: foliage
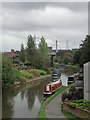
column 16, row 74
column 44, row 51
column 42, row 72
column 0, row 62
column 22, row 54
column 83, row 54
column 16, row 60
column 72, row 90
column 66, row 95
column 26, row 74
column 22, row 79
column 9, row 73
column 37, row 72
column 39, row 61
column 34, row 72
column 31, row 50
column 6, row 71
column 79, row 103
column 69, row 115
column 73, row 105
column 64, row 56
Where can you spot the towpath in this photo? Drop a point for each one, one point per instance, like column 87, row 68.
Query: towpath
column 53, row 109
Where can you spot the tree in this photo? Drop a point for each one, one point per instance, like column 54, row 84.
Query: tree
column 77, row 57
column 44, row 50
column 85, row 50
column 82, row 55
column 39, row 60
column 22, row 54
column 6, row 71
column 31, row 50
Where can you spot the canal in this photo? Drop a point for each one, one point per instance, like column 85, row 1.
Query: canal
column 25, row 101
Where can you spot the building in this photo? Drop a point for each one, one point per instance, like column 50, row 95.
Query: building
column 11, row 54
column 87, row 81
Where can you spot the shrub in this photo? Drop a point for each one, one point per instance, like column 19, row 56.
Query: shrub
column 26, row 74
column 22, row 79
column 79, row 103
column 42, row 72
column 66, row 95
column 37, row 72
column 72, row 90
column 73, row 105
column 34, row 72
column 16, row 74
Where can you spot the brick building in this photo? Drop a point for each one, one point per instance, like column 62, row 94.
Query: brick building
column 11, row 54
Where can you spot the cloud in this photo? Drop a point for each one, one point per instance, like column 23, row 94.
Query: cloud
column 54, row 21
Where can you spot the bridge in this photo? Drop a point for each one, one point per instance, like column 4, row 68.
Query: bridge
column 52, row 54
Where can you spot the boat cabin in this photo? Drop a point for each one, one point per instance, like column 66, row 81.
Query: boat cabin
column 56, row 74
column 71, row 79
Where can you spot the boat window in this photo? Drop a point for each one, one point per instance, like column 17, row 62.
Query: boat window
column 70, row 78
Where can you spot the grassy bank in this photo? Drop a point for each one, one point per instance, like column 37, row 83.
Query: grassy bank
column 29, row 75
column 42, row 110
column 69, row 115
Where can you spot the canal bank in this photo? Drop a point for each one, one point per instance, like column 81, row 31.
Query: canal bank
column 17, row 84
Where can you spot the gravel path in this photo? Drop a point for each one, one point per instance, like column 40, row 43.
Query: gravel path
column 53, row 109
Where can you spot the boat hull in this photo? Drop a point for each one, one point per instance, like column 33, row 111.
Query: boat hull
column 52, row 87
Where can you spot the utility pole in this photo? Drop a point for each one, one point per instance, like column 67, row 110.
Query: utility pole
column 67, row 45
column 56, row 46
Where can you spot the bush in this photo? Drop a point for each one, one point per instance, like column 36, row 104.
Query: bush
column 26, row 74
column 16, row 74
column 37, row 72
column 66, row 95
column 34, row 72
column 22, row 79
column 73, row 105
column 42, row 72
column 72, row 89
column 49, row 71
column 79, row 103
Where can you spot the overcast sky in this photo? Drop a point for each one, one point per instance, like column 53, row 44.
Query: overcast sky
column 62, row 21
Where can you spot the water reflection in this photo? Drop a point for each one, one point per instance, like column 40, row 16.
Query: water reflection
column 25, row 101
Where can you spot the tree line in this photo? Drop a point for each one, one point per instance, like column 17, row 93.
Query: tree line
column 75, row 56
column 36, row 57
column 82, row 55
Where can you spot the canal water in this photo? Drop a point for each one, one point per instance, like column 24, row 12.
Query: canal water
column 26, row 101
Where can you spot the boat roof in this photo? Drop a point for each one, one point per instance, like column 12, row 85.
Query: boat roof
column 71, row 76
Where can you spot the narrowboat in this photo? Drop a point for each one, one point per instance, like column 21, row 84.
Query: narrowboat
column 55, row 84
column 72, row 78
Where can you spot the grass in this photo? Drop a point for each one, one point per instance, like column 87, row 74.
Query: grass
column 69, row 115
column 42, row 110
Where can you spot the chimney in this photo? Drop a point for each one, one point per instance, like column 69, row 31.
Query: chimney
column 56, row 47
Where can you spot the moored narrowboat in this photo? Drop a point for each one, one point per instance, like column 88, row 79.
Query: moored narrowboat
column 72, row 78
column 55, row 84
